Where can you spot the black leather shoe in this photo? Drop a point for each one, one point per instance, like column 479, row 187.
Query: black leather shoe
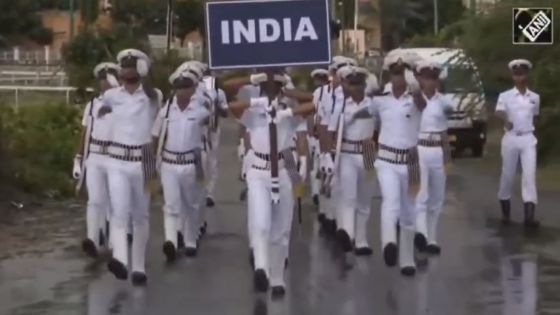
column 321, row 218
column 169, row 251
column 408, row 271
column 433, row 249
column 117, row 269
column 505, row 206
column 363, row 251
column 420, row 242
column 530, row 222
column 344, row 240
column 139, row 279
column 390, row 254
column 190, row 252
column 315, row 200
column 210, row 202
column 261, row 280
column 180, row 241
column 278, row 292
column 88, row 246
column 203, row 228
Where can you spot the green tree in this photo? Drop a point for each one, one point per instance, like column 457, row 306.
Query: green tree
column 190, row 17
column 89, row 11
column 20, row 20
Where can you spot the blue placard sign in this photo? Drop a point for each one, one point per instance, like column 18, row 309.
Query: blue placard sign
column 247, row 34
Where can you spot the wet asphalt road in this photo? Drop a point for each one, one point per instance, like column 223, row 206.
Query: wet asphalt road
column 484, row 268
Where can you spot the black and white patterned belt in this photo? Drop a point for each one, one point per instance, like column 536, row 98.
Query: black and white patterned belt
column 393, row 155
column 124, row 152
column 351, row 146
column 178, row 158
column 99, row 146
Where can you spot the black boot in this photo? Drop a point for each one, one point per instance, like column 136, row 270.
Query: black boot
column 344, row 241
column 88, row 246
column 210, row 202
column 139, row 279
column 420, row 242
column 530, row 222
column 315, row 200
column 169, row 251
column 390, row 252
column 180, row 241
column 260, row 280
column 118, row 269
column 505, row 205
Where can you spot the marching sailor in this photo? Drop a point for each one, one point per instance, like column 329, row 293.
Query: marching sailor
column 434, row 155
column 178, row 132
column 517, row 107
column 93, row 151
column 320, row 78
column 133, row 107
column 327, row 104
column 355, row 149
column 272, row 121
column 399, row 112
column 218, row 109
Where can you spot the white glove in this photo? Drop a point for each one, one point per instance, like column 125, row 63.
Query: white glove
column 327, row 164
column 246, row 163
column 283, row 114
column 289, row 83
column 303, row 167
column 411, row 81
column 241, row 149
column 77, row 169
column 258, row 78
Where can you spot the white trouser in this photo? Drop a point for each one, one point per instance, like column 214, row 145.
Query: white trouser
column 397, row 203
column 212, row 163
column 429, row 201
column 271, row 224
column 314, row 152
column 354, row 197
column 513, row 148
column 129, row 199
column 98, row 205
column 181, row 194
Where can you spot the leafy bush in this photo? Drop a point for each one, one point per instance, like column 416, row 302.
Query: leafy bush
column 38, row 145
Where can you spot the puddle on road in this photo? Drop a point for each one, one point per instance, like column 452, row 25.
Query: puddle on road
column 523, row 277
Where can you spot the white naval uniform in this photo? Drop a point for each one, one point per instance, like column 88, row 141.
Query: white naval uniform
column 519, row 143
column 219, row 97
column 429, row 201
column 271, row 223
column 399, row 119
column 132, row 118
column 355, row 185
column 98, row 205
column 326, row 108
column 180, row 188
column 314, row 148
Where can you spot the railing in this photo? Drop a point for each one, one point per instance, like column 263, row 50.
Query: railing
column 18, row 89
column 45, row 56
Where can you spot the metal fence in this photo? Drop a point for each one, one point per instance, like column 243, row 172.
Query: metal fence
column 17, row 91
column 17, row 56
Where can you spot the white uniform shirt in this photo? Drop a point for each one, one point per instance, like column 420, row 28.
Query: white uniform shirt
column 255, row 120
column 132, row 115
column 399, row 119
column 434, row 117
column 101, row 129
column 329, row 103
column 354, row 129
column 520, row 108
column 184, row 128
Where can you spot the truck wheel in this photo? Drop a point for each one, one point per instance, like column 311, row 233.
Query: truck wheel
column 477, row 150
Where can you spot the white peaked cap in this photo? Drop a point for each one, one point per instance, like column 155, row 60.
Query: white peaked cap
column 193, row 67
column 319, row 72
column 182, row 74
column 134, row 53
column 519, row 62
column 105, row 66
column 346, row 71
column 409, row 59
column 425, row 64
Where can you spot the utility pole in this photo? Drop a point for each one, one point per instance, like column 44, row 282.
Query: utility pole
column 71, row 9
column 356, row 15
column 436, row 17
column 169, row 26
